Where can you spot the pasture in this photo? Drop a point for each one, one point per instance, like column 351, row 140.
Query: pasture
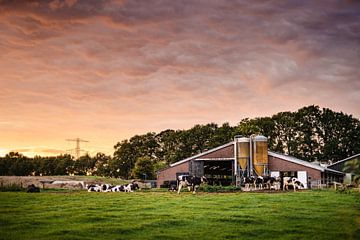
column 163, row 215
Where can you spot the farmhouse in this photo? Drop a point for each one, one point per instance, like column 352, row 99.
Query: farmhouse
column 229, row 163
column 352, row 163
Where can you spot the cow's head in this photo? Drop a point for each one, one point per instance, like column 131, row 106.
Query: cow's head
column 203, row 179
column 134, row 186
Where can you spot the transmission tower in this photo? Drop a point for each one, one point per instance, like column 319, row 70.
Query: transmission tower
column 77, row 147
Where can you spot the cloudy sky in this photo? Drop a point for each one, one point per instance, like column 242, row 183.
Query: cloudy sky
column 107, row 70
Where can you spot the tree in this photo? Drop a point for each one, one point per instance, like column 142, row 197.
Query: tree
column 123, row 161
column 308, row 132
column 84, row 165
column 353, row 167
column 102, row 167
column 339, row 135
column 19, row 165
column 144, row 168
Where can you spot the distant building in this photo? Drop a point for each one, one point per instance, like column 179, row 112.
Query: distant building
column 229, row 163
column 340, row 166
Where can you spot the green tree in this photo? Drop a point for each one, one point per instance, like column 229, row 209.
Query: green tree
column 102, row 167
column 19, row 165
column 353, row 166
column 144, row 168
column 285, row 133
column 339, row 135
column 123, row 161
column 84, row 165
column 308, row 133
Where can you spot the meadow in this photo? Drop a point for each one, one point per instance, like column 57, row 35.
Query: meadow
column 322, row 214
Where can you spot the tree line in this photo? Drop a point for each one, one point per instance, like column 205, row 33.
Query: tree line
column 310, row 133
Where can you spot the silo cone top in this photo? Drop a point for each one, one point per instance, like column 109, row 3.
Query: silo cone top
column 260, row 138
column 243, row 139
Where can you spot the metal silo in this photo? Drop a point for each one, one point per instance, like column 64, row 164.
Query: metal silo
column 243, row 152
column 260, row 155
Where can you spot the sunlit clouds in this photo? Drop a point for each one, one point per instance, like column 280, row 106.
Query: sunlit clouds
column 107, row 70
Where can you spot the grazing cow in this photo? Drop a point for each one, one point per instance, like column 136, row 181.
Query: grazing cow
column 259, row 182
column 32, row 189
column 191, row 182
column 272, row 183
column 249, row 183
column 292, row 181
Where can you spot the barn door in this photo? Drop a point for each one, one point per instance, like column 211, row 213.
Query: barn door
column 302, row 176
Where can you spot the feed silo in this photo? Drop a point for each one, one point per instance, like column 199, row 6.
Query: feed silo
column 260, row 160
column 243, row 152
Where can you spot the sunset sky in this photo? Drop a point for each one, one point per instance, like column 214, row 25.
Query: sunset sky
column 107, row 70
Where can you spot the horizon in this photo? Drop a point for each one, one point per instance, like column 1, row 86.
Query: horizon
column 105, row 71
column 31, row 151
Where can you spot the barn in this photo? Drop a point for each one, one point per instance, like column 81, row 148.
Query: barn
column 353, row 161
column 229, row 163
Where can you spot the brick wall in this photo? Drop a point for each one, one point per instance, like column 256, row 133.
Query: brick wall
column 169, row 174
column 277, row 164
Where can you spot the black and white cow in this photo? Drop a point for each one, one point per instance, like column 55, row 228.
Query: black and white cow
column 126, row 188
column 106, row 187
column 118, row 188
column 249, row 183
column 191, row 182
column 93, row 188
column 292, row 181
column 272, row 183
column 259, row 182
column 134, row 186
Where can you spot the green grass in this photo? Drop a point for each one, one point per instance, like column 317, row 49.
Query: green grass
column 164, row 215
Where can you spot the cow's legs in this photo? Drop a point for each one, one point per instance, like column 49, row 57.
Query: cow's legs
column 194, row 189
column 180, row 186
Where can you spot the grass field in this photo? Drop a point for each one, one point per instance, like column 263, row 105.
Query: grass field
column 163, row 215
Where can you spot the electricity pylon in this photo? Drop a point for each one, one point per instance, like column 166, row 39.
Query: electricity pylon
column 77, row 148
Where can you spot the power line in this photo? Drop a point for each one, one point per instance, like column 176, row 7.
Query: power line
column 77, row 147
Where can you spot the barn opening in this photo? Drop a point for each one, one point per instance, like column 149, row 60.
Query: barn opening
column 219, row 172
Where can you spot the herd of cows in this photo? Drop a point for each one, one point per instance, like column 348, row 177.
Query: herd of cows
column 250, row 183
column 130, row 187
column 192, row 183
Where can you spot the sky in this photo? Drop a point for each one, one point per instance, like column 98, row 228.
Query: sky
column 105, row 70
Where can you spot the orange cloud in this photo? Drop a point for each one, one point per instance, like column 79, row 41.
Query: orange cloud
column 106, row 70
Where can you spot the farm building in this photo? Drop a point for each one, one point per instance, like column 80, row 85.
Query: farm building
column 229, row 163
column 347, row 166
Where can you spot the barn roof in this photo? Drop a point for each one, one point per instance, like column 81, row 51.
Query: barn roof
column 203, row 154
column 346, row 159
column 296, row 160
column 302, row 162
